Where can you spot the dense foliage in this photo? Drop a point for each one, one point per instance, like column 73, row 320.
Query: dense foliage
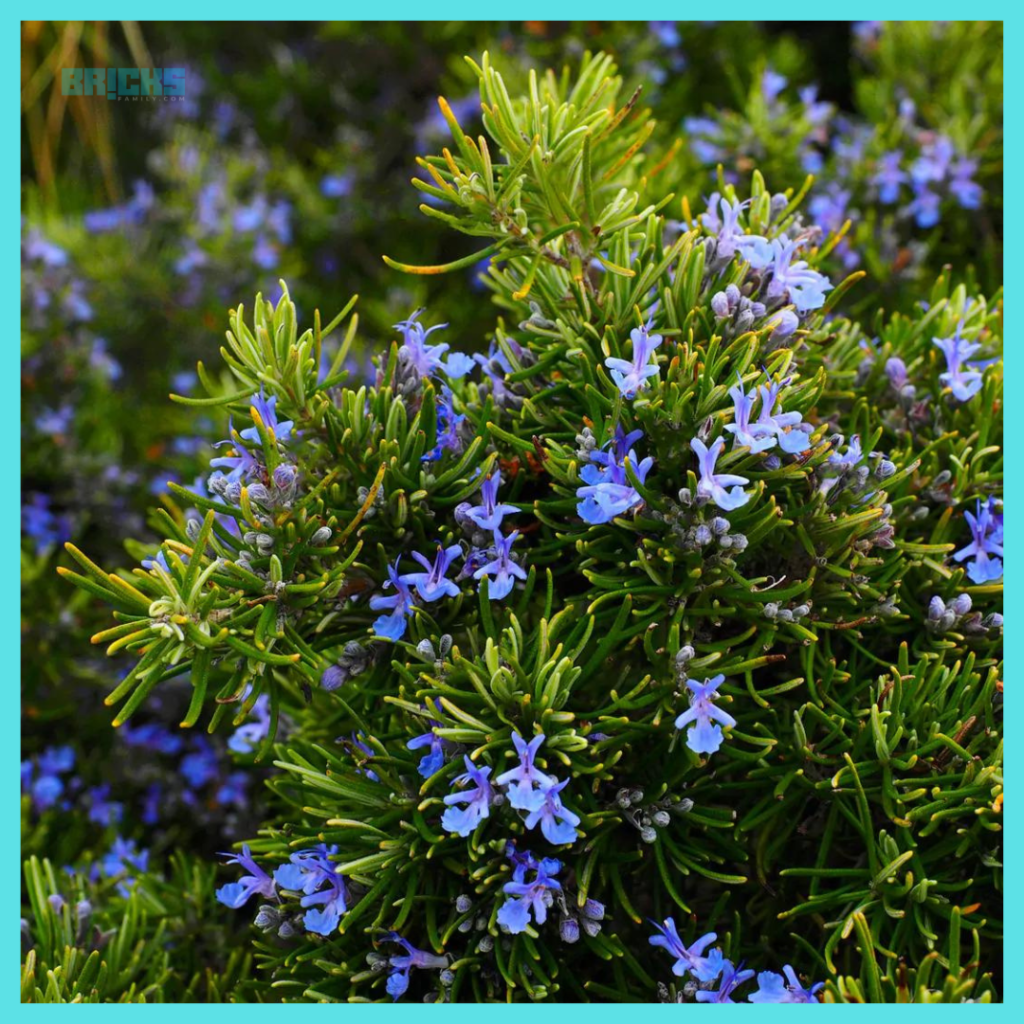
column 669, row 608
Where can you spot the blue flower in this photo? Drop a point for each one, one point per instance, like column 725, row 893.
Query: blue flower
column 732, row 978
column 632, row 377
column 490, row 512
column 103, row 810
column 201, row 766
column 42, row 524
column 447, row 427
column 986, row 547
column 234, row 790
column 557, row 823
column 889, row 177
column 398, row 979
column 522, row 779
column 501, row 568
column 925, row 207
column 534, row 895
column 713, row 486
column 462, row 820
column 152, row 736
column 400, row 604
column 850, row 459
column 757, row 437
column 772, row 83
column 428, row 359
column 706, row 736
column 965, row 382
column 772, row 988
column 255, row 882
column 433, row 759
column 359, row 742
column 432, row 584
column 335, row 186
column 690, row 959
column 666, row 32
column 241, row 464
column 607, row 492
column 965, row 190
column 247, row 737
column 122, row 856
column 263, row 408
column 312, row 873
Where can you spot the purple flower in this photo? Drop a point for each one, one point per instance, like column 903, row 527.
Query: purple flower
column 730, row 237
column 398, row 979
column 428, row 359
column 785, row 425
column 986, row 547
column 732, row 978
column 400, row 604
column 896, row 371
column 557, row 822
column 705, row 736
column 632, row 377
column 805, row 287
column 889, row 177
column 432, row 584
column 690, row 959
column 964, row 380
column 523, row 777
column 37, row 247
column 533, row 896
column 447, row 427
column 756, row 437
column 489, row 513
column 501, row 570
column 462, row 820
column 255, row 882
column 704, row 132
column 772, row 988
column 713, row 486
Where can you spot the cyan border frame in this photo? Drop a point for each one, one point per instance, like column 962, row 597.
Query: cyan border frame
column 1011, row 14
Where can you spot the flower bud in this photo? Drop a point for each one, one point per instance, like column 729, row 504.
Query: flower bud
column 569, row 929
column 961, row 604
column 594, row 910
column 463, row 904
column 322, row 536
column 720, row 305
